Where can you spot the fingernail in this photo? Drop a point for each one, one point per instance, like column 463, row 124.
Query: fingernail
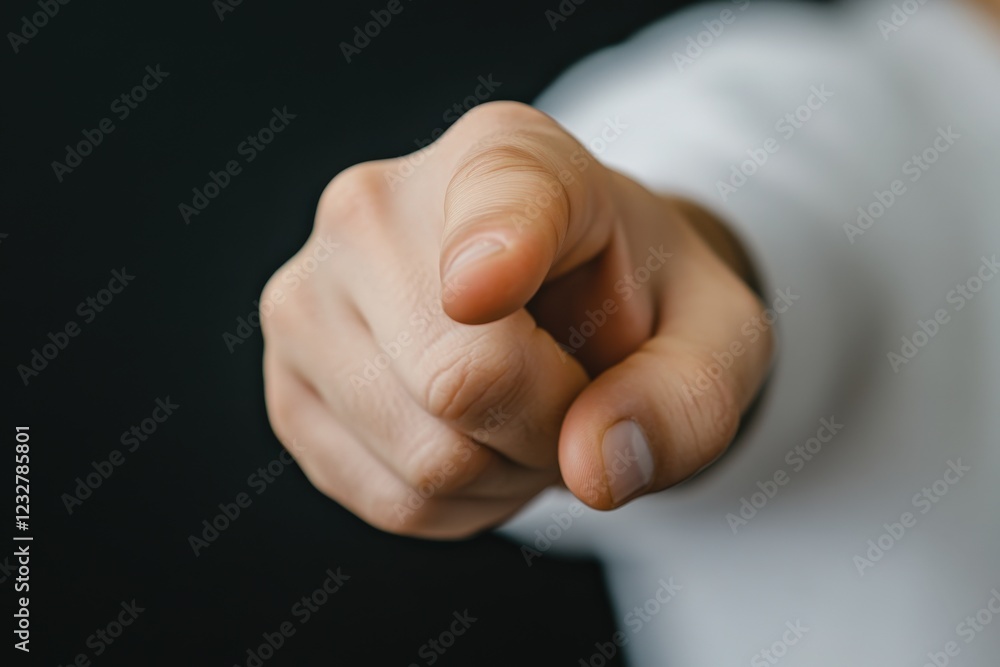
column 473, row 252
column 628, row 463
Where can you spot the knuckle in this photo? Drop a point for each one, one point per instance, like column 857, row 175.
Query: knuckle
column 321, row 482
column 266, row 311
column 431, row 469
column 406, row 514
column 276, row 312
column 292, row 296
column 503, row 112
column 280, row 413
column 355, row 196
column 465, row 381
column 391, row 515
column 388, row 509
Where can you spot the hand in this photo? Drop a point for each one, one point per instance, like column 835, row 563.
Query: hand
column 580, row 316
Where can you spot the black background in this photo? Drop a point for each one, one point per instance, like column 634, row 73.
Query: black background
column 163, row 335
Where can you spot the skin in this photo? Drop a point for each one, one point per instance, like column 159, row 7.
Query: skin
column 472, row 408
column 991, row 7
column 480, row 409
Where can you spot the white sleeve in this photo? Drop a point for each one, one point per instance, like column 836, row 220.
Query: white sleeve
column 775, row 120
column 880, row 103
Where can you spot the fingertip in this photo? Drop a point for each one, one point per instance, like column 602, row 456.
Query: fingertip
column 628, row 461
column 477, row 250
column 608, row 467
column 489, row 279
column 608, row 445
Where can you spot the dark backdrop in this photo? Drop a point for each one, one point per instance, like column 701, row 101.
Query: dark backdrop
column 180, row 330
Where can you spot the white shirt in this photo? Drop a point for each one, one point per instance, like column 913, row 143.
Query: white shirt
column 794, row 579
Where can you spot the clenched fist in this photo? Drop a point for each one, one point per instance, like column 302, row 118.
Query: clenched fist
column 498, row 313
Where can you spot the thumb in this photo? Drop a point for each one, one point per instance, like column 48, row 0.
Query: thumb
column 672, row 407
column 526, row 204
